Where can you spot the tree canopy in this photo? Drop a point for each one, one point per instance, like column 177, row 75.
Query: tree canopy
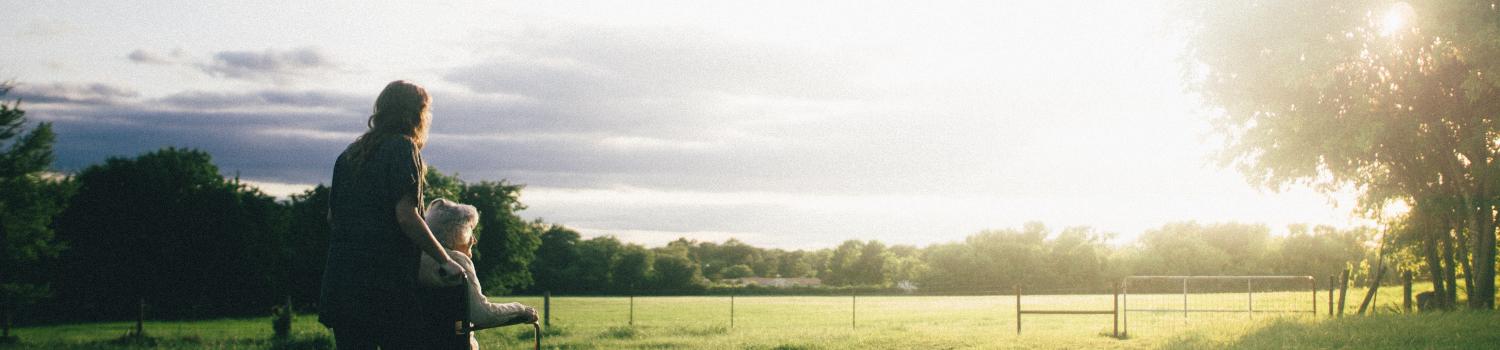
column 1393, row 100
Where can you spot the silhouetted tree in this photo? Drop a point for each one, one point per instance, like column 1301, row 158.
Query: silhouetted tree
column 166, row 227
column 28, row 202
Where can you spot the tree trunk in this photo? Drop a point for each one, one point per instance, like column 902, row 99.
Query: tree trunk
column 1379, row 272
column 1464, row 264
column 1483, row 297
column 1449, row 277
column 1435, row 265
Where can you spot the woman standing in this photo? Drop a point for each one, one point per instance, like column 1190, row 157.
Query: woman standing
column 378, row 233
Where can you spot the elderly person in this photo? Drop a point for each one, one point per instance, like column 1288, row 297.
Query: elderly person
column 453, row 225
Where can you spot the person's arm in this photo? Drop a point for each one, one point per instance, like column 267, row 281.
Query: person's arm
column 415, row 227
column 485, row 314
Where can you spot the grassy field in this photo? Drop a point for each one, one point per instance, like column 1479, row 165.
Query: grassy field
column 889, row 322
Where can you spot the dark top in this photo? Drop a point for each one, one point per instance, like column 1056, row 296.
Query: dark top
column 370, row 277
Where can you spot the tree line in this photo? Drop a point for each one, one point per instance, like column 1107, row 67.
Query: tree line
column 167, row 228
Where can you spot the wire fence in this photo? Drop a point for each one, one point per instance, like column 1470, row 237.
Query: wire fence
column 1152, row 304
column 1171, row 302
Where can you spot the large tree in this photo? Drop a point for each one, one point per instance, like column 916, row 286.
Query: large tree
column 1394, row 100
column 168, row 228
column 28, row 201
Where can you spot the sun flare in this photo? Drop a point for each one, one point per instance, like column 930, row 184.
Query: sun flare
column 1396, row 19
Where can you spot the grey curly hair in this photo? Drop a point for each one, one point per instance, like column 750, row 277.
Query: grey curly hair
column 452, row 223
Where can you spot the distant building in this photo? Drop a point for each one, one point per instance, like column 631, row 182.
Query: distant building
column 777, row 282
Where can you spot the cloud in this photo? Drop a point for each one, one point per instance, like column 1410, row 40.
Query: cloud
column 152, row 57
column 211, row 100
column 91, row 94
column 264, row 65
column 654, row 63
column 268, row 64
column 272, row 136
column 267, row 145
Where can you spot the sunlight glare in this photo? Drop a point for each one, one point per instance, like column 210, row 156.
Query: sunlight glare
column 1396, row 18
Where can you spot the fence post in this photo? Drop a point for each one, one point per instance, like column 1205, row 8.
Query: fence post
column 1184, row 300
column 1343, row 290
column 1331, row 286
column 547, row 309
column 1125, row 313
column 1115, row 290
column 853, row 309
column 1312, row 283
column 1018, row 309
column 140, row 319
column 1249, row 299
column 632, row 310
column 731, row 310
column 1406, row 291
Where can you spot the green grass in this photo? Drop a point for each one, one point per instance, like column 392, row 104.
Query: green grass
column 1451, row 330
column 887, row 322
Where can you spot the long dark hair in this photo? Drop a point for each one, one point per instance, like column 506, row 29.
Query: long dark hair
column 401, row 109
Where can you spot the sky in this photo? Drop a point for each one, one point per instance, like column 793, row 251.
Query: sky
column 796, row 124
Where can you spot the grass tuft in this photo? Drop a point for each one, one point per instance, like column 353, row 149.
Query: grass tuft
column 703, row 331
column 622, row 332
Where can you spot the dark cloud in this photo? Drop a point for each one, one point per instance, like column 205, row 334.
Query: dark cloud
column 268, row 135
column 284, row 146
column 266, row 98
column 91, row 94
column 269, row 63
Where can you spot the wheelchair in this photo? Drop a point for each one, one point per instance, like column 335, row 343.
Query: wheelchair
column 446, row 311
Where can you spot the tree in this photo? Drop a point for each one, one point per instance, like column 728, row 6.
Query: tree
column 167, row 228
column 1179, row 249
column 28, row 202
column 675, row 272
column 795, row 264
column 1332, row 94
column 596, row 260
column 841, row 269
column 632, row 270
column 436, row 184
column 871, row 267
column 990, row 260
column 556, row 257
column 1075, row 257
column 739, row 271
column 305, row 243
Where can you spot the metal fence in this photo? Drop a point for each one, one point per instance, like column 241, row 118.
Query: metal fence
column 1141, row 301
column 1164, row 300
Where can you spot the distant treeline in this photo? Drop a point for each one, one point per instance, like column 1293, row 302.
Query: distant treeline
column 166, row 227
